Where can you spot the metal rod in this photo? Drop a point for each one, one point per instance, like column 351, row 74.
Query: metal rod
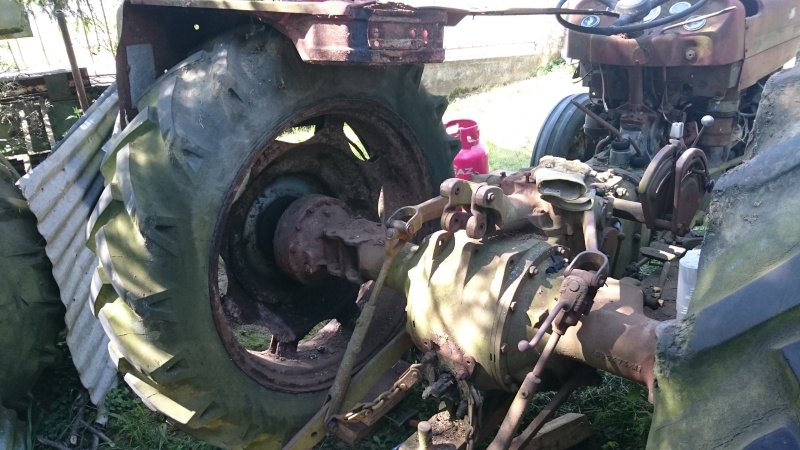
column 523, row 346
column 73, row 63
column 635, row 86
column 602, row 144
column 580, row 378
column 529, row 387
column 343, row 375
column 424, row 436
column 590, row 230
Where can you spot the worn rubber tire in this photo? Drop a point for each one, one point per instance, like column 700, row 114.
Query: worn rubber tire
column 13, row 432
column 167, row 177
column 728, row 375
column 31, row 313
column 561, row 130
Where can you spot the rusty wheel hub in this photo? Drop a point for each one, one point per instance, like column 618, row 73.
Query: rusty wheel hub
column 284, row 333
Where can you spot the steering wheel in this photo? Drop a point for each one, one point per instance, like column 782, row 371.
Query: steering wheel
column 630, row 11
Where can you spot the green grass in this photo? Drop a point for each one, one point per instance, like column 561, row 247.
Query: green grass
column 507, row 158
column 549, row 67
column 135, row 427
column 59, row 399
column 618, row 412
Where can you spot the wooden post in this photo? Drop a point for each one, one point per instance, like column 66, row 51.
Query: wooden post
column 76, row 72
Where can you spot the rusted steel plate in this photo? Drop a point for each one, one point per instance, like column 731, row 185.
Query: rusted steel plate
column 772, row 33
column 375, row 36
column 336, row 8
column 158, row 34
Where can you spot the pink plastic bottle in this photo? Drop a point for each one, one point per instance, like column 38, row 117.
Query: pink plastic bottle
column 473, row 157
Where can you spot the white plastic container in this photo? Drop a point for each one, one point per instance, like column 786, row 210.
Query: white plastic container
column 687, row 279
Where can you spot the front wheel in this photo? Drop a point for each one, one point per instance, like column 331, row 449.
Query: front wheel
column 562, row 132
column 202, row 323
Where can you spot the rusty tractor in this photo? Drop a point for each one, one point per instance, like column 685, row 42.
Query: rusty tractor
column 251, row 173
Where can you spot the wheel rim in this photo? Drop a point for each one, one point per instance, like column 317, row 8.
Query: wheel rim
column 308, row 326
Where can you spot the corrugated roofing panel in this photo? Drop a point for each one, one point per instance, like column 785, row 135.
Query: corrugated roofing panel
column 62, row 192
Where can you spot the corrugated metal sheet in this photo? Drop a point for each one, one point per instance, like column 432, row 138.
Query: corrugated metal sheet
column 62, row 192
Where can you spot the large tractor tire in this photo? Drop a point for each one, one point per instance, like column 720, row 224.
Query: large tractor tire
column 13, row 432
column 728, row 376
column 202, row 324
column 31, row 313
column 562, row 133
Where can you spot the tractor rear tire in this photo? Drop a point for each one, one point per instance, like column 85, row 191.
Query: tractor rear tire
column 562, row 133
column 728, row 375
column 205, row 141
column 13, row 432
column 31, row 313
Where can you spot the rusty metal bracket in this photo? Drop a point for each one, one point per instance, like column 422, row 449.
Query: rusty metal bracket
column 459, row 196
column 155, row 35
column 593, row 261
column 489, row 206
column 406, row 221
column 463, row 365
